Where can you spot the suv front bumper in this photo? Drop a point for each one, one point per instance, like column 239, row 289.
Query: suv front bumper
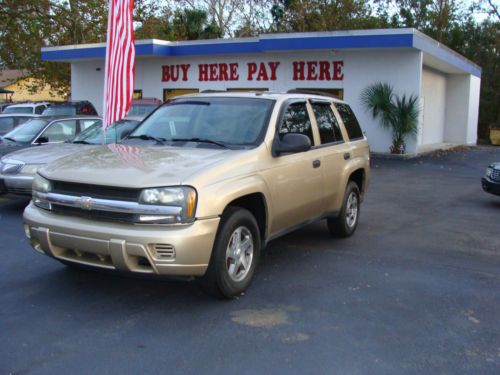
column 178, row 250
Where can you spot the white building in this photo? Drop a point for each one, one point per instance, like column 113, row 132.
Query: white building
column 342, row 63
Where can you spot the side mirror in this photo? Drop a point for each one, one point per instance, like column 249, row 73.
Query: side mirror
column 291, row 143
column 41, row 140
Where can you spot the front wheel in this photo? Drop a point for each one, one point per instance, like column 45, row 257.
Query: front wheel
column 344, row 225
column 235, row 255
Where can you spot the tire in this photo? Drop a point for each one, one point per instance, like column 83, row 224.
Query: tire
column 345, row 224
column 227, row 276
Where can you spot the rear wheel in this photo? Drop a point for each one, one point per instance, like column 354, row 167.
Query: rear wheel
column 344, row 225
column 235, row 254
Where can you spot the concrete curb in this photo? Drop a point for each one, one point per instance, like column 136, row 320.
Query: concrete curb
column 443, row 148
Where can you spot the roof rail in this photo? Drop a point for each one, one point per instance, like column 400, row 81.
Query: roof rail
column 313, row 92
column 209, row 91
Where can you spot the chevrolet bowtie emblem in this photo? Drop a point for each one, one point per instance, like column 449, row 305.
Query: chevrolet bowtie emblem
column 85, row 203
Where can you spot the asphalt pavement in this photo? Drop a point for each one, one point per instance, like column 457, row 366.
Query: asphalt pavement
column 415, row 291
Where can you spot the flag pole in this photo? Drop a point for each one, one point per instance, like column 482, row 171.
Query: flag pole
column 106, row 62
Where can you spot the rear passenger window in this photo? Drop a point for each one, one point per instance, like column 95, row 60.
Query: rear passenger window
column 296, row 120
column 350, row 121
column 85, row 124
column 329, row 130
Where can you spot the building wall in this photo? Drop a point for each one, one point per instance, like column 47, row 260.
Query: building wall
column 357, row 70
column 433, row 100
column 462, row 108
column 473, row 113
column 22, row 93
column 402, row 69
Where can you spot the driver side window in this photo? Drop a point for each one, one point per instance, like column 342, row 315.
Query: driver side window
column 296, row 120
column 60, row 131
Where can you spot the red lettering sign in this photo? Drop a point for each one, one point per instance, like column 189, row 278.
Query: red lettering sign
column 218, row 72
column 172, row 73
column 233, row 72
column 338, row 70
column 318, row 70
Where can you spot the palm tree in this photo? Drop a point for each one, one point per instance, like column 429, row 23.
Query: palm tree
column 400, row 114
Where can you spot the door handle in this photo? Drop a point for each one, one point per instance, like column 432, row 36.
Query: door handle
column 347, row 156
column 316, row 163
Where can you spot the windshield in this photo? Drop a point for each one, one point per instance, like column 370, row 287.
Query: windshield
column 141, row 109
column 227, row 120
column 18, row 110
column 60, row 110
column 6, row 124
column 115, row 132
column 27, row 132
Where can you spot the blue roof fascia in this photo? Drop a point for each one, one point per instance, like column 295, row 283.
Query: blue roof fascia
column 227, row 48
column 150, row 49
column 74, row 54
column 235, row 48
column 270, row 43
column 337, row 42
column 432, row 48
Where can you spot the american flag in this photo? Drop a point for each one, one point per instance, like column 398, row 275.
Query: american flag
column 130, row 155
column 120, row 61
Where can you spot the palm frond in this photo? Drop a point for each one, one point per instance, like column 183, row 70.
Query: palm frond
column 406, row 113
column 377, row 98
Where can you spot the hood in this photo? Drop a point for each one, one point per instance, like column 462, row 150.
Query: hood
column 45, row 154
column 133, row 166
column 8, row 147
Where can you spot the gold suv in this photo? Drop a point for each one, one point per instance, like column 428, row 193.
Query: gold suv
column 202, row 185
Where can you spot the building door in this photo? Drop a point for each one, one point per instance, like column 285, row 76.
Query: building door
column 172, row 93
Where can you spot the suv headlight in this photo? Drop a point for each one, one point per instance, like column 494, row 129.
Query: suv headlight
column 41, row 184
column 182, row 197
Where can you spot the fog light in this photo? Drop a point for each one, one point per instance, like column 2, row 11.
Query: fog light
column 42, row 203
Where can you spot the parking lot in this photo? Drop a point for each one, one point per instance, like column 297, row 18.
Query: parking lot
column 416, row 290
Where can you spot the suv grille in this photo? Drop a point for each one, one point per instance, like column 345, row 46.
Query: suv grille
column 96, row 191
column 94, row 214
column 495, row 175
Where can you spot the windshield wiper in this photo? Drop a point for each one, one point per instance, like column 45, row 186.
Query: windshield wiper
column 200, row 140
column 9, row 139
column 82, row 142
column 147, row 137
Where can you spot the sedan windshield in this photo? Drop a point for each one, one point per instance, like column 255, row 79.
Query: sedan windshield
column 115, row 132
column 209, row 121
column 26, row 132
column 18, row 110
column 141, row 109
column 60, row 110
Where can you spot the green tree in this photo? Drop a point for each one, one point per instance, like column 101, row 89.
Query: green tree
column 399, row 114
column 323, row 15
column 192, row 24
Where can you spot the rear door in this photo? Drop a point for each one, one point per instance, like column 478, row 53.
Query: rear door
column 335, row 152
